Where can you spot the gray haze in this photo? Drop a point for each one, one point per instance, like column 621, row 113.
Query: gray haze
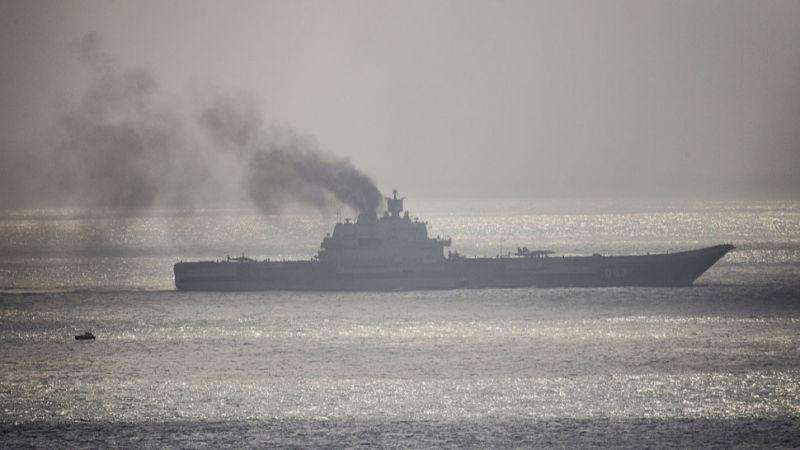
column 457, row 98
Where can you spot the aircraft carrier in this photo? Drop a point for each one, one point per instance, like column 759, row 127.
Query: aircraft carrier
column 394, row 252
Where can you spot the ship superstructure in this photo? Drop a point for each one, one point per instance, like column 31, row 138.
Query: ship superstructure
column 393, row 241
column 394, row 252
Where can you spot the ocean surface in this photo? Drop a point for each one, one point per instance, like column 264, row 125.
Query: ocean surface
column 716, row 364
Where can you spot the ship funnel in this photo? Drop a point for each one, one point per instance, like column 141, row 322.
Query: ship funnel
column 367, row 217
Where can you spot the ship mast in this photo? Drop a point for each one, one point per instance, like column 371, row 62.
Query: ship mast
column 394, row 205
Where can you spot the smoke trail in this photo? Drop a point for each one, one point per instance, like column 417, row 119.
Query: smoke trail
column 117, row 148
column 278, row 174
column 281, row 167
column 125, row 147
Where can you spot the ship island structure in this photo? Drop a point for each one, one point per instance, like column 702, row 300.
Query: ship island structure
column 394, row 252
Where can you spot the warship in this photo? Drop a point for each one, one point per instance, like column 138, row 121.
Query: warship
column 394, row 252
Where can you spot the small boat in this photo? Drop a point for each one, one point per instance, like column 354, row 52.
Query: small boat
column 85, row 336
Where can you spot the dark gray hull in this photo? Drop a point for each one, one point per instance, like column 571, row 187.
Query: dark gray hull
column 671, row 269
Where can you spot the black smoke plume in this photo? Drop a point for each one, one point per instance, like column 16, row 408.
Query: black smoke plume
column 126, row 147
column 281, row 174
column 281, row 167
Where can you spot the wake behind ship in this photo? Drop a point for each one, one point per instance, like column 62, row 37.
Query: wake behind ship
column 394, row 252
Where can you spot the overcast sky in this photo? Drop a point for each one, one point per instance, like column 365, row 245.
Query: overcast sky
column 457, row 98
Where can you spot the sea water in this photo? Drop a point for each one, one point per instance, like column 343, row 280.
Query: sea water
column 717, row 363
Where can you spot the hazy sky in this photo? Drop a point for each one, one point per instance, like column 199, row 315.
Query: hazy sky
column 456, row 98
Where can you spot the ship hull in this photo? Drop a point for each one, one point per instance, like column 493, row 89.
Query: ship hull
column 669, row 269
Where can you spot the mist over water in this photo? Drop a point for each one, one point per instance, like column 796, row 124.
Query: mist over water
column 712, row 364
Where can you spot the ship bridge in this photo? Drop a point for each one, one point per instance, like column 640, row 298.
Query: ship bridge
column 393, row 241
